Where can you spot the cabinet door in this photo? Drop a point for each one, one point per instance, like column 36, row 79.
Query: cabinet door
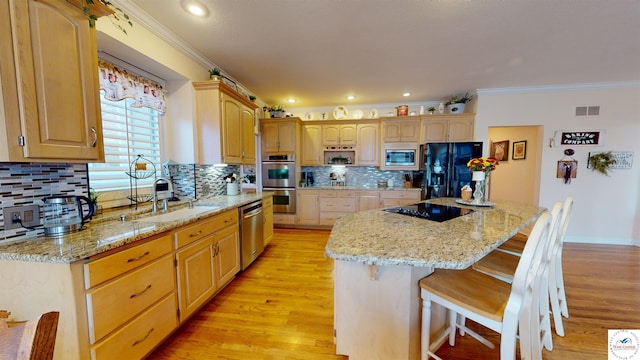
column 227, row 255
column 248, row 137
column 391, row 131
column 368, row 200
column 307, row 207
column 269, row 134
column 267, row 212
column 287, row 137
column 433, row 130
column 57, row 81
column 348, row 134
column 196, row 276
column 232, row 132
column 461, row 129
column 410, row 130
column 330, row 135
column 368, row 145
column 311, row 145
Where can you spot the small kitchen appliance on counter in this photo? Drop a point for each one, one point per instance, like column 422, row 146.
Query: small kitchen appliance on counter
column 306, row 178
column 64, row 214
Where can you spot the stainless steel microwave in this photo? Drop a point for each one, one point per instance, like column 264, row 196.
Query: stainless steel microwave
column 400, row 157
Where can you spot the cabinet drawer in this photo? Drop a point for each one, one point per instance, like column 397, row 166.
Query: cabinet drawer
column 400, row 194
column 266, row 202
column 101, row 270
column 188, row 234
column 116, row 302
column 338, row 204
column 329, row 218
column 141, row 335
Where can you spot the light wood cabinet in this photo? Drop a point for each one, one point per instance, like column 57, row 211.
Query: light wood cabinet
column 307, row 212
column 209, row 259
column 50, row 108
column 398, row 197
column 335, row 203
column 311, row 143
column 267, row 212
column 368, row 144
column 400, row 129
column 224, row 125
column 279, row 135
column 339, row 135
column 447, row 128
column 368, row 200
column 124, row 292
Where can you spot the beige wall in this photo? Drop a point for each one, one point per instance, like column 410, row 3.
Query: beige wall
column 517, row 180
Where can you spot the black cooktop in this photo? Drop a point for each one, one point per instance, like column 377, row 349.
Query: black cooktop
column 429, row 211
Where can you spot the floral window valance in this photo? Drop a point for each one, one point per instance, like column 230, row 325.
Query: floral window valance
column 119, row 84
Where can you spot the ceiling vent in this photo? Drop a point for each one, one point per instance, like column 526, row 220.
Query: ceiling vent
column 587, row 110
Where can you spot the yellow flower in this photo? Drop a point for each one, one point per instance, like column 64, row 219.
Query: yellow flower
column 485, row 164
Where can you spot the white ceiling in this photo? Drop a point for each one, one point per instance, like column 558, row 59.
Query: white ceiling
column 320, row 51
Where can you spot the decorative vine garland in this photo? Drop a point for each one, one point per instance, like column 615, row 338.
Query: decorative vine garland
column 602, row 162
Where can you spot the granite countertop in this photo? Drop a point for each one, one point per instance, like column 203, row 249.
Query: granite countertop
column 356, row 188
column 110, row 232
column 376, row 237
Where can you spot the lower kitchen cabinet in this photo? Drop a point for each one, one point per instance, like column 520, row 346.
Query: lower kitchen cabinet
column 307, row 212
column 368, row 200
column 398, row 197
column 208, row 262
column 335, row 203
column 267, row 212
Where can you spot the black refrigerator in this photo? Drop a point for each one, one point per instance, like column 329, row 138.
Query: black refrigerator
column 444, row 168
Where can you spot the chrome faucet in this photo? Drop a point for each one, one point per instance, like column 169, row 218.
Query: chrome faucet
column 154, row 202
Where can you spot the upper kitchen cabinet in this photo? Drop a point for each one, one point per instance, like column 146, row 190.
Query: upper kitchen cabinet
column 400, row 129
column 311, row 153
column 279, row 135
column 447, row 128
column 339, row 135
column 50, row 106
column 224, row 125
column 368, row 148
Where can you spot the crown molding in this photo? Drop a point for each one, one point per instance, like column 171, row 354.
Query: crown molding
column 556, row 88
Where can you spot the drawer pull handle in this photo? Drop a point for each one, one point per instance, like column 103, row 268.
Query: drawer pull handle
column 143, row 339
column 196, row 234
column 138, row 258
column 141, row 292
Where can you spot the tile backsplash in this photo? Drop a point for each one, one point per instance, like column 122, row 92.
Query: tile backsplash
column 29, row 183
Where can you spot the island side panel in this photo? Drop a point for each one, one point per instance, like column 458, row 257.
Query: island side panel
column 30, row 289
column 378, row 318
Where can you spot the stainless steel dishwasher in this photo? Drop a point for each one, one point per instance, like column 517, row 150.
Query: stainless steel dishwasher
column 251, row 232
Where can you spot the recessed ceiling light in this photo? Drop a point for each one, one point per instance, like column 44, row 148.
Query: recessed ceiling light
column 406, row 94
column 194, row 7
column 350, row 97
column 291, row 100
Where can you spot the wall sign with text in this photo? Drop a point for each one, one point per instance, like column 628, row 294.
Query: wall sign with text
column 580, row 137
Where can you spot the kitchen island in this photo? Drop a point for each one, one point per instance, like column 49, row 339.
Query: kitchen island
column 123, row 286
column 380, row 257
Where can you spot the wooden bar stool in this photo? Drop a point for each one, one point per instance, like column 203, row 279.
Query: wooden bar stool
column 502, row 265
column 30, row 340
column 488, row 301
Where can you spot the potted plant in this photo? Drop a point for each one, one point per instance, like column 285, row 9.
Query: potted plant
column 97, row 8
column 431, row 110
column 276, row 111
column 456, row 103
column 214, row 73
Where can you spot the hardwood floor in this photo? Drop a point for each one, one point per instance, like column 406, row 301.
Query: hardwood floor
column 282, row 307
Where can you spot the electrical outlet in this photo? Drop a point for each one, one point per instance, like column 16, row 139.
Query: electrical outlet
column 29, row 215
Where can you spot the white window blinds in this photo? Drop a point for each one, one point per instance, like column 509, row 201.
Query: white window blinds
column 128, row 131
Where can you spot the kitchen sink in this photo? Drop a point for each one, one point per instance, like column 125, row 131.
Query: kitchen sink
column 177, row 214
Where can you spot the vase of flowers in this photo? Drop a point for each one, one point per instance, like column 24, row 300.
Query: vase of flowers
column 232, row 184
column 481, row 169
column 456, row 103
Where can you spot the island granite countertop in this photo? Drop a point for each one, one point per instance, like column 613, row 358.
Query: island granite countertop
column 376, row 237
column 104, row 235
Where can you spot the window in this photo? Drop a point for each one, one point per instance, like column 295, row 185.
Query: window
column 127, row 131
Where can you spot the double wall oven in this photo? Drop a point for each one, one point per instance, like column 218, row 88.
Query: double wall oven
column 279, row 176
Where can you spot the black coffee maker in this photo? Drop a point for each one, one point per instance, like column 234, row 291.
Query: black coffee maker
column 306, row 178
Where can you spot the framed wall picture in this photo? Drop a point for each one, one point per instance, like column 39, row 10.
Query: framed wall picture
column 567, row 170
column 500, row 150
column 519, row 150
